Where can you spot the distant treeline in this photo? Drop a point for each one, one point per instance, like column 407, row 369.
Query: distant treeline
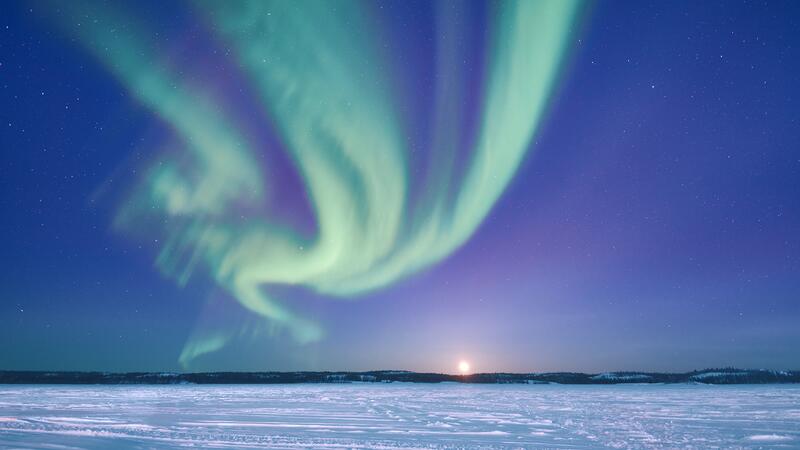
column 709, row 376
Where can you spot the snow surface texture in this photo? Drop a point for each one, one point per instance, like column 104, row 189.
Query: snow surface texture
column 400, row 415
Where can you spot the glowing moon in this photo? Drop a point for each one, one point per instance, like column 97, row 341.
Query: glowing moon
column 463, row 367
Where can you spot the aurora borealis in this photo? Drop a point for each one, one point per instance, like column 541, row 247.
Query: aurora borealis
column 334, row 184
column 329, row 100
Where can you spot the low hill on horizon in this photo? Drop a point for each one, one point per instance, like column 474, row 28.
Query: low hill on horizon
column 706, row 376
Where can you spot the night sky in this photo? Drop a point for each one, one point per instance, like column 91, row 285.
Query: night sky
column 397, row 185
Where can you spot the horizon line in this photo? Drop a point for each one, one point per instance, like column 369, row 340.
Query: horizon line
column 326, row 371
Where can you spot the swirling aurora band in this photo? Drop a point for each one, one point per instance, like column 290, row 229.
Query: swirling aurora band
column 326, row 90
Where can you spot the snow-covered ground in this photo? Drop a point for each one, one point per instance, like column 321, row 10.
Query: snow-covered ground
column 400, row 415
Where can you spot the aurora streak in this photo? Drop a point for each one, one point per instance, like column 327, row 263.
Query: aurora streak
column 327, row 90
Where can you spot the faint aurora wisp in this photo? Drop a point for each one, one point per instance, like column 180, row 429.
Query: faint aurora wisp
column 325, row 88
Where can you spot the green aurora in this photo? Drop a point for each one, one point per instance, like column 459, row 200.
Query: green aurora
column 329, row 95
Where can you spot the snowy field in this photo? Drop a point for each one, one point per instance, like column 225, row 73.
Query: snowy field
column 400, row 415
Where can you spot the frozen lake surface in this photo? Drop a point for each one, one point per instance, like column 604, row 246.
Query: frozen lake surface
column 400, row 415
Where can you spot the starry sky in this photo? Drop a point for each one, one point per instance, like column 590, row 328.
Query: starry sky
column 533, row 186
